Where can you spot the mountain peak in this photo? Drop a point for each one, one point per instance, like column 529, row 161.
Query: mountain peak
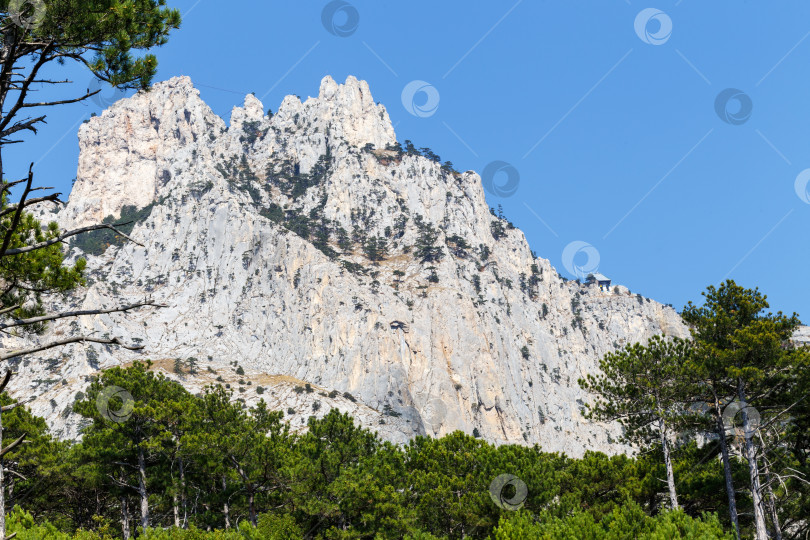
column 251, row 111
column 130, row 139
column 329, row 89
column 178, row 82
column 347, row 111
column 124, row 153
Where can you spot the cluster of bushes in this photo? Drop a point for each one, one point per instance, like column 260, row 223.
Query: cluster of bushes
column 292, row 182
column 624, row 523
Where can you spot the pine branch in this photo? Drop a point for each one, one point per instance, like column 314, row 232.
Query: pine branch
column 20, row 126
column 9, row 309
column 63, row 315
column 53, row 197
column 8, row 185
column 15, row 222
column 63, row 236
column 61, row 102
column 17, row 404
column 6, row 378
column 12, row 446
column 68, row 341
column 15, row 473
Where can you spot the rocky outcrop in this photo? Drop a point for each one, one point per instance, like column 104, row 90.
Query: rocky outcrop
column 802, row 336
column 127, row 153
column 298, row 248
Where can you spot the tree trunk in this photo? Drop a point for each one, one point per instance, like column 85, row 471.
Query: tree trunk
column 673, row 496
column 142, row 489
column 175, row 509
column 183, row 500
column 251, row 505
column 175, row 498
column 732, row 495
column 753, row 470
column 225, row 508
column 125, row 518
column 251, row 488
column 2, row 486
column 777, row 529
column 207, row 509
column 771, row 500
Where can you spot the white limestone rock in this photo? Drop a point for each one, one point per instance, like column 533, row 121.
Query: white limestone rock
column 241, row 287
column 802, row 336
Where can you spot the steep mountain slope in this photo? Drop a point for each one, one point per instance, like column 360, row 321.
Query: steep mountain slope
column 298, row 249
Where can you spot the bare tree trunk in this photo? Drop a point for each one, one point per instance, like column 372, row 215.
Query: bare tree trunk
column 753, row 469
column 2, row 485
column 225, row 508
column 175, row 498
column 732, row 495
column 125, row 518
column 175, row 508
column 777, row 528
column 771, row 500
column 673, row 496
column 183, row 500
column 142, row 489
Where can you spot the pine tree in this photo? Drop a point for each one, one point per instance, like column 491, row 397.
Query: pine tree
column 746, row 359
column 426, row 249
column 642, row 387
column 125, row 439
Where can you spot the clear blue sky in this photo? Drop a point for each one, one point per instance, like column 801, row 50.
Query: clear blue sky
column 614, row 133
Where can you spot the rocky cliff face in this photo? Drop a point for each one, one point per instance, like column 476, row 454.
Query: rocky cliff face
column 297, row 248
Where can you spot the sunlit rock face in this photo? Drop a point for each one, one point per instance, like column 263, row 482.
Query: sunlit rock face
column 261, row 239
column 802, row 336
